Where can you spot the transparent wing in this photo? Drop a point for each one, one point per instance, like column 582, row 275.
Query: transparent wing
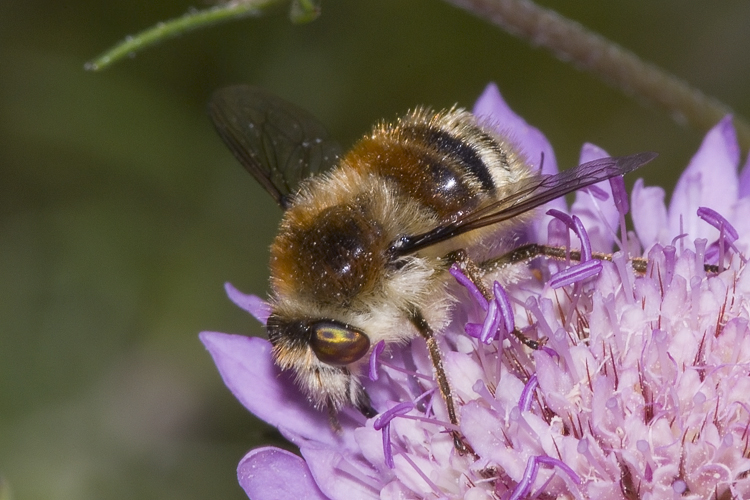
column 278, row 142
column 528, row 195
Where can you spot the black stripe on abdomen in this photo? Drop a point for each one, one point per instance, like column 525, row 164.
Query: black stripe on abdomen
column 445, row 143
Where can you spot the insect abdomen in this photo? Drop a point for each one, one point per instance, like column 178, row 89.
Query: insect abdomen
column 444, row 161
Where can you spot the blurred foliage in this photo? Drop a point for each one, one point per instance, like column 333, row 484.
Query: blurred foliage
column 122, row 214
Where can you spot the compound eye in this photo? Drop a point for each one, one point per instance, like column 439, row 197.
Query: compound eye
column 337, row 343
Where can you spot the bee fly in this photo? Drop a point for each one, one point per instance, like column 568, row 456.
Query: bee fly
column 367, row 237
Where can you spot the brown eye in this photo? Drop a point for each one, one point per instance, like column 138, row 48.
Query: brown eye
column 337, row 343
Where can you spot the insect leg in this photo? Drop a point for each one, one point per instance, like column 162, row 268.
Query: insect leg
column 474, row 273
column 364, row 406
column 471, row 270
column 333, row 418
column 442, row 379
column 531, row 251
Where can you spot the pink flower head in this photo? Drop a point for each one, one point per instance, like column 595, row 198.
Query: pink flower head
column 639, row 387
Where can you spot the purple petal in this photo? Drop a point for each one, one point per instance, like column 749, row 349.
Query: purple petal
column 649, row 214
column 710, row 180
column 492, row 109
column 270, row 473
column 259, row 308
column 246, row 366
column 741, row 221
column 744, row 188
column 601, row 218
column 341, row 476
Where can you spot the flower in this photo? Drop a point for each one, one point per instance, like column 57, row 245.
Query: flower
column 642, row 389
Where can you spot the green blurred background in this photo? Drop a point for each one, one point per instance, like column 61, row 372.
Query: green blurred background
column 122, row 214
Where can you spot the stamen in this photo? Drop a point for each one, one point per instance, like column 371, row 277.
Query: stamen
column 559, row 342
column 553, row 462
column 614, row 322
column 695, row 296
column 719, row 222
column 411, row 373
column 713, row 251
column 529, row 475
column 620, row 197
column 506, row 311
column 383, row 423
column 491, row 324
column 516, row 419
column 558, row 234
column 679, row 487
column 527, row 394
column 574, row 224
column 597, row 192
column 480, row 388
column 619, row 194
column 387, row 446
column 679, row 238
column 670, row 253
column 584, row 237
column 621, row 263
column 576, row 273
column 464, row 280
column 699, row 398
column 654, row 260
column 583, row 449
column 424, row 395
column 376, row 351
column 700, row 256
column 551, row 352
column 421, row 473
column 682, row 240
column 532, row 305
column 557, row 214
column 397, row 410
column 473, row 330
column 661, row 339
column 727, row 233
column 447, row 426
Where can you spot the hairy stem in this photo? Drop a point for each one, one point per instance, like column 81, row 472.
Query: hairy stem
column 192, row 20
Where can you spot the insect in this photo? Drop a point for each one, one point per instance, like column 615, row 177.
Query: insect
column 367, row 237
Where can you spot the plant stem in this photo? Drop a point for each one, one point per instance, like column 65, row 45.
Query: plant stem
column 571, row 42
column 178, row 26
